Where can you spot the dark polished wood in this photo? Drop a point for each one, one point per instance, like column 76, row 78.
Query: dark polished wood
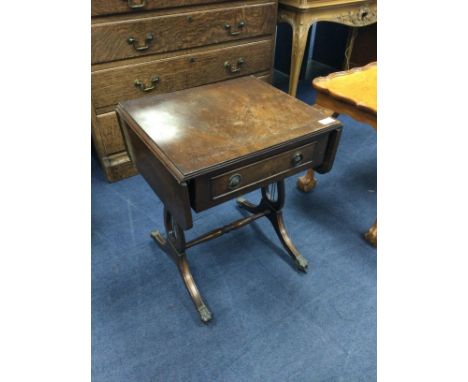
column 144, row 47
column 223, row 123
column 199, row 147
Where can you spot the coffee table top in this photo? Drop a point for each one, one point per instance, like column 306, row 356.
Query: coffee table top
column 357, row 86
column 202, row 128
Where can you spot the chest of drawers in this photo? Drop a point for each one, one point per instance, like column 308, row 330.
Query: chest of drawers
column 142, row 47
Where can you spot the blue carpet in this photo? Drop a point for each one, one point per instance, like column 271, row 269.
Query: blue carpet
column 271, row 323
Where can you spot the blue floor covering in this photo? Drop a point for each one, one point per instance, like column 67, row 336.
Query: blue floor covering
column 271, row 323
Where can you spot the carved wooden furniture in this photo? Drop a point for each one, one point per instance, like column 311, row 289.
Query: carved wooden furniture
column 352, row 92
column 142, row 47
column 200, row 147
column 301, row 14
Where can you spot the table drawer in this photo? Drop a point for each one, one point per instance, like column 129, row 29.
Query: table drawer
column 214, row 189
column 252, row 174
column 110, row 7
column 125, row 38
column 111, row 86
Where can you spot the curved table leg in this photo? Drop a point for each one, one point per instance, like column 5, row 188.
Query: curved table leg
column 272, row 205
column 250, row 207
column 276, row 219
column 174, row 246
column 192, row 288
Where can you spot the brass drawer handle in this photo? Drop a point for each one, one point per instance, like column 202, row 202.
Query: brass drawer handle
column 228, row 27
column 140, row 85
column 297, row 159
column 234, row 68
column 234, row 181
column 132, row 5
column 133, row 41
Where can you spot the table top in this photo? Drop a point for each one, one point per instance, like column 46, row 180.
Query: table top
column 204, row 128
column 357, row 86
column 310, row 4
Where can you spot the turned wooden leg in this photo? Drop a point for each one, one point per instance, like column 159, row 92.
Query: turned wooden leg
column 307, row 182
column 371, row 235
column 271, row 203
column 299, row 41
column 174, row 246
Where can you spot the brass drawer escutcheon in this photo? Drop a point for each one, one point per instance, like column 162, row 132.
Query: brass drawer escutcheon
column 234, row 181
column 228, row 27
column 133, row 41
column 133, row 5
column 140, row 85
column 234, row 68
column 243, row 179
column 297, row 159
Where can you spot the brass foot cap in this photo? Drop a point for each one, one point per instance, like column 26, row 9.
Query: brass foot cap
column 205, row 313
column 156, row 235
column 302, row 263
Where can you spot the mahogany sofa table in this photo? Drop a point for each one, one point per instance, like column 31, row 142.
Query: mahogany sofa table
column 203, row 146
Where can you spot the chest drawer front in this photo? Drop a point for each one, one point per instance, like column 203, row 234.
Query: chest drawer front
column 110, row 7
column 238, row 179
column 111, row 86
column 160, row 34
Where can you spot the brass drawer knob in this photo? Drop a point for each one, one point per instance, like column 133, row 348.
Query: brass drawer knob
column 297, row 159
column 133, row 5
column 237, row 32
column 142, row 87
column 234, row 181
column 236, row 67
column 133, row 41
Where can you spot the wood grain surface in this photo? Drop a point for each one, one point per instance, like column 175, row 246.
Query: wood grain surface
column 110, row 7
column 190, row 46
column 111, row 86
column 221, row 123
column 109, row 41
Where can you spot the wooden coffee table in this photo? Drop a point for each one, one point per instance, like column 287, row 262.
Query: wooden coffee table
column 352, row 92
column 201, row 147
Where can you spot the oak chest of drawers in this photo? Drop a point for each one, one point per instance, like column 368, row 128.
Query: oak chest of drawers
column 142, row 47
